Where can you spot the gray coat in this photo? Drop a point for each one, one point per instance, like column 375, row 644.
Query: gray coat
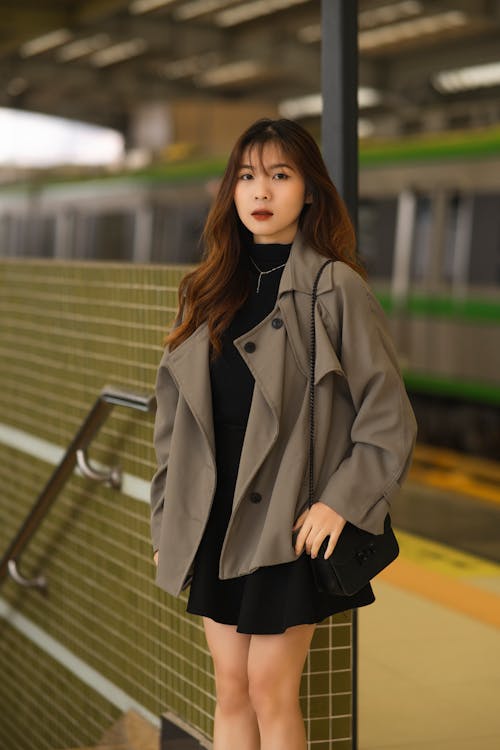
column 365, row 427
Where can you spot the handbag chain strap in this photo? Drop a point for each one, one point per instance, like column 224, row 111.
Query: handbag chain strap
column 312, row 370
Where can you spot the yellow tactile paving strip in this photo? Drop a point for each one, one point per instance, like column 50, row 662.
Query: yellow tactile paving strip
column 446, row 576
column 446, row 470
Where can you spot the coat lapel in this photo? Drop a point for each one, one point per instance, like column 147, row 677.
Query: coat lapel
column 265, row 412
column 326, row 356
column 298, row 276
column 301, row 269
column 189, row 366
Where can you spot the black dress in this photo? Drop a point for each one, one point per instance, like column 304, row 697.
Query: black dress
column 273, row 598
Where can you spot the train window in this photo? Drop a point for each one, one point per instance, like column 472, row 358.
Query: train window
column 484, row 268
column 176, row 233
column 376, row 230
column 105, row 236
column 420, row 257
column 5, row 236
column 17, row 235
column 40, row 236
column 164, row 220
column 192, row 222
column 450, row 238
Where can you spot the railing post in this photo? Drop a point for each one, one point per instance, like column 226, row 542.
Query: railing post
column 98, row 414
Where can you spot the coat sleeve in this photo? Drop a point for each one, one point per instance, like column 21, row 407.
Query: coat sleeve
column 384, row 430
column 166, row 405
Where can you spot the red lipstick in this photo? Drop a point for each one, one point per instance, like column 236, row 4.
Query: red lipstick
column 262, row 214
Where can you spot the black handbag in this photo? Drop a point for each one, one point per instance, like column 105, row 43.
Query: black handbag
column 358, row 555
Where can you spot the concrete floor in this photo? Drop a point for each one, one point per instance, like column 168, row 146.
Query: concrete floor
column 429, row 648
column 429, row 674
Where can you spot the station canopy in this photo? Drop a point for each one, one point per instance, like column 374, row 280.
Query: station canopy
column 424, row 64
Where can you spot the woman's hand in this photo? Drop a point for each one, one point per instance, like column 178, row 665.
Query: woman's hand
column 155, row 558
column 317, row 523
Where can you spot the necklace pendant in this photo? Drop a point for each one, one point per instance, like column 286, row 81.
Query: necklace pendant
column 261, row 273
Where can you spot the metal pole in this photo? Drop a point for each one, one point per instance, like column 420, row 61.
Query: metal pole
column 339, row 84
column 339, row 133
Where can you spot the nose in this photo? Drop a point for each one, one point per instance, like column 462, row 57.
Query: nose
column 261, row 191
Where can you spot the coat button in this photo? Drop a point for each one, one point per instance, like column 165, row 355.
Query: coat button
column 276, row 322
column 255, row 497
column 249, row 347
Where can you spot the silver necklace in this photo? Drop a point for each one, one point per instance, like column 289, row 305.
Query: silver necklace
column 263, row 273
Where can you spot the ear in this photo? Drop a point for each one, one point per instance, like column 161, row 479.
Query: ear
column 308, row 198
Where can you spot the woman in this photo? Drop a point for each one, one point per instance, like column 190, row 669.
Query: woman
column 232, row 424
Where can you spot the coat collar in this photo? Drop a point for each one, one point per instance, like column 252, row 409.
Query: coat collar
column 189, row 362
column 301, row 268
column 189, row 367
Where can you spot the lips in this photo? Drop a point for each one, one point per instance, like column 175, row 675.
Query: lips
column 262, row 214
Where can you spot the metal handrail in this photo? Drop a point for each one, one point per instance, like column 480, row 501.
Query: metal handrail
column 75, row 454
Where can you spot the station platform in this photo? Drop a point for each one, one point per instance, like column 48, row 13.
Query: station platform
column 429, row 648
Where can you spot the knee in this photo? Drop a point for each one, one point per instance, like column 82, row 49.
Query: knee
column 270, row 695
column 232, row 691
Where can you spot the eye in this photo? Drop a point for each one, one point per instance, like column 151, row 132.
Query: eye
column 280, row 176
column 246, row 176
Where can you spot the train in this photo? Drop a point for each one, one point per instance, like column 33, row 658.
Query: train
column 428, row 233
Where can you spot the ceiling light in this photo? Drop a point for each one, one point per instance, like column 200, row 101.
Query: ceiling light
column 200, row 7
column 312, row 105
column 45, row 42
column 144, row 6
column 465, row 79
column 368, row 97
column 252, row 10
column 189, row 66
column 302, row 106
column 383, row 15
column 366, row 128
column 389, row 13
column 397, row 32
column 118, row 52
column 237, row 71
column 83, row 47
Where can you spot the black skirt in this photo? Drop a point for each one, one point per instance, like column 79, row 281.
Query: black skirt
column 269, row 600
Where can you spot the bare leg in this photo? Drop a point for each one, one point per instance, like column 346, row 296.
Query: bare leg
column 275, row 664
column 235, row 721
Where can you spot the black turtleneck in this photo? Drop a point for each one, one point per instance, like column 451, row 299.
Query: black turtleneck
column 231, row 380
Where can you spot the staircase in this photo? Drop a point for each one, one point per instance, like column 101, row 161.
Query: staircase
column 130, row 732
column 133, row 732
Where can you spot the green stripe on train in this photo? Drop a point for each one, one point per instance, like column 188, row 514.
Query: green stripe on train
column 470, row 144
column 467, row 390
column 448, row 145
column 444, row 307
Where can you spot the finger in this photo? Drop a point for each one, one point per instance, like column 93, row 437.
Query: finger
column 310, row 542
column 301, row 539
column 332, row 543
column 318, row 541
column 299, row 542
column 295, row 536
column 334, row 537
column 300, row 520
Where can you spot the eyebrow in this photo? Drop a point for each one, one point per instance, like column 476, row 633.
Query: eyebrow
column 272, row 166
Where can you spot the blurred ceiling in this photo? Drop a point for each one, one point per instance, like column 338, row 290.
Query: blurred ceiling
column 424, row 64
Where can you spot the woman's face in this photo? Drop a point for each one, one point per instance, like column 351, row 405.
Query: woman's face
column 269, row 195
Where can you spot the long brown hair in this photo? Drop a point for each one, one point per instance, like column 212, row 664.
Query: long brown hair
column 215, row 290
